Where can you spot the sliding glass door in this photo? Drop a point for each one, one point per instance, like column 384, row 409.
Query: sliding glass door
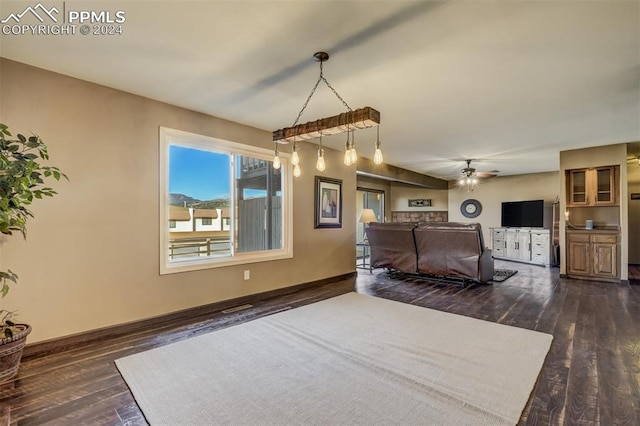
column 368, row 199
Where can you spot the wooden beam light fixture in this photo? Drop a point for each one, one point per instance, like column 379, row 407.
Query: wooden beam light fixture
column 346, row 122
column 362, row 118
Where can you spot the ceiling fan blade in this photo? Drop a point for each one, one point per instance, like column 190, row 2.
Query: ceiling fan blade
column 485, row 175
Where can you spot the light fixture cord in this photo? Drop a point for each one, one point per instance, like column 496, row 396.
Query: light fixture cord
column 315, row 86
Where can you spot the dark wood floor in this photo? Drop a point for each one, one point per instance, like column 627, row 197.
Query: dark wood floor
column 591, row 375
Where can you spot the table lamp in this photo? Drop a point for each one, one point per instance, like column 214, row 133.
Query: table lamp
column 367, row 216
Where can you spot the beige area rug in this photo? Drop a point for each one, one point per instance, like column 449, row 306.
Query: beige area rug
column 352, row 359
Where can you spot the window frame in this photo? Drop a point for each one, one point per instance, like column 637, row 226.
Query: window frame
column 167, row 137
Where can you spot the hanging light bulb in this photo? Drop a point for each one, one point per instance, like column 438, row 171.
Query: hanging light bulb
column 347, row 152
column 295, row 159
column 347, row 155
column 377, row 156
column 354, row 155
column 296, row 170
column 320, row 165
column 276, row 159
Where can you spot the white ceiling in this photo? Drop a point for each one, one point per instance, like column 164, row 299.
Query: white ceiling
column 507, row 83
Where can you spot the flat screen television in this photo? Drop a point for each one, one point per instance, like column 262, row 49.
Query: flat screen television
column 523, row 214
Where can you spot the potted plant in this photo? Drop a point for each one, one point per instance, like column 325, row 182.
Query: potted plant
column 22, row 180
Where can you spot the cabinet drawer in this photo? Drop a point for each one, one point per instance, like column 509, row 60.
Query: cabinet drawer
column 578, row 238
column 539, row 247
column 539, row 238
column 605, row 238
column 498, row 243
column 498, row 251
column 540, row 257
column 498, row 234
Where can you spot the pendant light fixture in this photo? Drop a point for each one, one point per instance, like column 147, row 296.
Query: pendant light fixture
column 320, row 165
column 276, row 159
column 377, row 156
column 354, row 155
column 348, row 122
column 347, row 151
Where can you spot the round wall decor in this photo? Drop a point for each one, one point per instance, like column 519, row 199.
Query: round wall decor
column 471, row 208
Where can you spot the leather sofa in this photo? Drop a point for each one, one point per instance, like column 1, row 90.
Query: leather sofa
column 446, row 249
column 392, row 246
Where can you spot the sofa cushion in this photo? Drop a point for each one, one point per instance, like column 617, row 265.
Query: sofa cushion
column 392, row 246
column 450, row 249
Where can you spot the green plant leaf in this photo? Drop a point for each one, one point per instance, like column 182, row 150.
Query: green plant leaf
column 22, row 179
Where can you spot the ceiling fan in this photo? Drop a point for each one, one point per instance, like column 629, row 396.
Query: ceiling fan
column 469, row 172
column 469, row 177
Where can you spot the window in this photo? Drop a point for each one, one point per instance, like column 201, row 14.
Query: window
column 223, row 203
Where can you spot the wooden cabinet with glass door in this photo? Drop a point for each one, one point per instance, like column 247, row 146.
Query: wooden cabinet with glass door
column 592, row 187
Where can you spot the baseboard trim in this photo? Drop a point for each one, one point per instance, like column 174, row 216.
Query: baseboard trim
column 58, row 344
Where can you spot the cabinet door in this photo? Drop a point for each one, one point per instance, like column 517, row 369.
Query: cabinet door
column 579, row 254
column 592, row 187
column 511, row 239
column 578, row 187
column 605, row 255
column 524, row 245
column 604, row 188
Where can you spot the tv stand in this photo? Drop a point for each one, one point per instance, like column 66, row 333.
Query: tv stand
column 528, row 245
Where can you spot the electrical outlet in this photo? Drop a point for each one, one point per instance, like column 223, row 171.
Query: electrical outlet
column 247, row 275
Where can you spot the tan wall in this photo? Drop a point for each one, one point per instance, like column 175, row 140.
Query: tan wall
column 492, row 192
column 402, row 193
column 633, row 170
column 91, row 258
column 608, row 155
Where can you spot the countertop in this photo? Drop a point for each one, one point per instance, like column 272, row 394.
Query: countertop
column 598, row 230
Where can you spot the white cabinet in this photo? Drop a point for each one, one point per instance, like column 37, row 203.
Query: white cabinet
column 518, row 244
column 522, row 244
column 541, row 247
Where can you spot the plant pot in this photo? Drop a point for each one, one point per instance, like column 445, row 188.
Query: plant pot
column 11, row 352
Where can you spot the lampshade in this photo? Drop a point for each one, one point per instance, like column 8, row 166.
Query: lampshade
column 367, row 216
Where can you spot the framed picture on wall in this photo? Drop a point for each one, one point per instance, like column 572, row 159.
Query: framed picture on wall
column 328, row 200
